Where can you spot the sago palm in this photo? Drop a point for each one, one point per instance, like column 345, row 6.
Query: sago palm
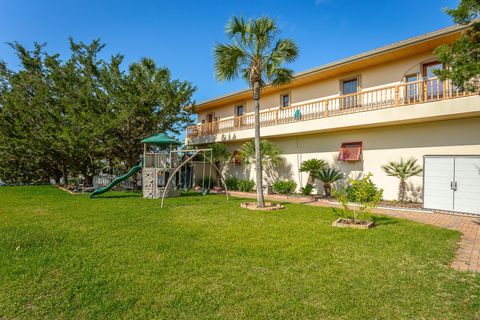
column 258, row 57
column 329, row 176
column 312, row 166
column 403, row 170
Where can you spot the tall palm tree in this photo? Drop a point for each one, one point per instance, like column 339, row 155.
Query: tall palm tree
column 329, row 176
column 403, row 170
column 312, row 166
column 258, row 57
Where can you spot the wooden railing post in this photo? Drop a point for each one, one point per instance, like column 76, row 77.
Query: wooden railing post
column 425, row 91
column 325, row 112
column 397, row 95
column 276, row 117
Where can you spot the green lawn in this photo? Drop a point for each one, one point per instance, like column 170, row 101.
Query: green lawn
column 120, row 256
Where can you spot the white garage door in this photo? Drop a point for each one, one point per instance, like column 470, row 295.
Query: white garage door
column 452, row 183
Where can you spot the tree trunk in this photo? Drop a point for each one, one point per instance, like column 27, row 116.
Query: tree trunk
column 89, row 180
column 65, row 174
column 328, row 189
column 310, row 179
column 258, row 157
column 219, row 182
column 401, row 191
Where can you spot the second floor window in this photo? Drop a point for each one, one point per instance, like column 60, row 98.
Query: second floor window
column 210, row 117
column 239, row 111
column 349, row 86
column 285, row 100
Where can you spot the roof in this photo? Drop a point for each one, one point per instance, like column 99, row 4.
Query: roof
column 161, row 139
column 419, row 44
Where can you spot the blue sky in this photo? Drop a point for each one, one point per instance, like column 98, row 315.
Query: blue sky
column 181, row 34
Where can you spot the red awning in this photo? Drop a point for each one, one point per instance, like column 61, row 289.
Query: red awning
column 350, row 151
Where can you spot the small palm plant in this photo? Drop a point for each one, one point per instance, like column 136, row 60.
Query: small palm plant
column 269, row 153
column 221, row 155
column 403, row 170
column 312, row 166
column 329, row 176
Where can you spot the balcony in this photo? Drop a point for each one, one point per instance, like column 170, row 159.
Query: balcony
column 385, row 98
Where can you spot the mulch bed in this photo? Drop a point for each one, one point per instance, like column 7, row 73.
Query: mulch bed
column 404, row 205
column 268, row 206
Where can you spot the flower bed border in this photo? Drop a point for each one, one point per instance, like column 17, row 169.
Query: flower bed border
column 340, row 224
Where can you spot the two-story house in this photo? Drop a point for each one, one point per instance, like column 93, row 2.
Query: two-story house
column 360, row 112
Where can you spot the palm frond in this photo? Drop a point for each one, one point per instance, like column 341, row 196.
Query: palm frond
column 280, row 76
column 329, row 175
column 228, row 60
column 237, row 26
column 402, row 169
column 254, row 53
column 263, row 32
column 269, row 152
column 311, row 165
column 285, row 50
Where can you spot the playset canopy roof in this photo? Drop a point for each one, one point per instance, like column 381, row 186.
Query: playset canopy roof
column 161, row 139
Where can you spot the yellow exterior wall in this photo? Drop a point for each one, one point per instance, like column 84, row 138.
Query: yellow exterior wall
column 381, row 75
column 447, row 137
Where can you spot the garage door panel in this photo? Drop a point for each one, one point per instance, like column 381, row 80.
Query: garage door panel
column 438, row 174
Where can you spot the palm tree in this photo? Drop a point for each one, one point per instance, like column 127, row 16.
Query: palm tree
column 312, row 166
column 221, row 155
column 403, row 170
column 329, row 176
column 269, row 153
column 258, row 57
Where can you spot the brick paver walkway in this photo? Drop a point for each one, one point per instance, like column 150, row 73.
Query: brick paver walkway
column 467, row 257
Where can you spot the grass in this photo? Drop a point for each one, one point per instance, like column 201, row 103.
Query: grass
column 120, row 256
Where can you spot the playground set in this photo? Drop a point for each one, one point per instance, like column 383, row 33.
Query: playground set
column 167, row 169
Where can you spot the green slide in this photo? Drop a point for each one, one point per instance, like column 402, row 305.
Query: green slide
column 117, row 180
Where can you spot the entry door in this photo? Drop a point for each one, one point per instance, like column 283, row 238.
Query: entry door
column 434, row 88
column 437, row 186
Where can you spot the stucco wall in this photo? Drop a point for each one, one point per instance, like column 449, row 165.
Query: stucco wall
column 460, row 136
column 370, row 78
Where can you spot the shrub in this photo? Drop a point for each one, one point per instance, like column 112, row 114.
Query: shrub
column 232, row 183
column 207, row 182
column 245, row 185
column 284, row 186
column 363, row 192
column 307, row 190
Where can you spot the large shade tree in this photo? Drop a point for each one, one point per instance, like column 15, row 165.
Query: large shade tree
column 462, row 58
column 256, row 55
column 61, row 118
